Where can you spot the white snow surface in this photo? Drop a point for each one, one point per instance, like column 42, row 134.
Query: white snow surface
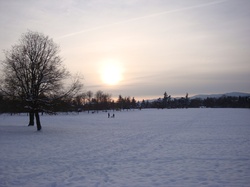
column 170, row 147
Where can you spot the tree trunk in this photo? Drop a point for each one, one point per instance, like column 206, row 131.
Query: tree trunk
column 38, row 124
column 32, row 117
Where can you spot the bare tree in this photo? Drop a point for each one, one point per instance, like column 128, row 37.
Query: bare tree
column 102, row 100
column 99, row 96
column 89, row 95
column 33, row 71
column 81, row 99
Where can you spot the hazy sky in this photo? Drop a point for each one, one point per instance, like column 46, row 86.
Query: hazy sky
column 177, row 46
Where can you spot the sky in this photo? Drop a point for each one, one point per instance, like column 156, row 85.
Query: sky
column 142, row 48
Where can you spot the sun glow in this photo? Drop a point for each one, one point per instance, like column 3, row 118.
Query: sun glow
column 111, row 72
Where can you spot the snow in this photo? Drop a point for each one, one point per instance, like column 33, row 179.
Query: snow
column 174, row 147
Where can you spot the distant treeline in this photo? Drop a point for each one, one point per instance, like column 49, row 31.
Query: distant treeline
column 98, row 101
column 209, row 102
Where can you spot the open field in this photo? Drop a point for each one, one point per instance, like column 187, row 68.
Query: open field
column 176, row 147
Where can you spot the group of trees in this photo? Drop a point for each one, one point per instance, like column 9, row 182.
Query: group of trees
column 90, row 101
column 167, row 102
column 186, row 102
column 221, row 102
column 86, row 101
column 97, row 101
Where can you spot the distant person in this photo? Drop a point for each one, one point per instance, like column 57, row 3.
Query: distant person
column 113, row 116
column 108, row 115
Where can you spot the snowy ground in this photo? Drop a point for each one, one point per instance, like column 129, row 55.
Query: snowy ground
column 177, row 147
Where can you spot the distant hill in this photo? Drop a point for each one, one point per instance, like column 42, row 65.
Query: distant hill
column 232, row 94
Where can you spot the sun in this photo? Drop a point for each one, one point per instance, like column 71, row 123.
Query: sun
column 111, row 72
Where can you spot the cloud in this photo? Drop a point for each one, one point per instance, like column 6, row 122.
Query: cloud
column 144, row 17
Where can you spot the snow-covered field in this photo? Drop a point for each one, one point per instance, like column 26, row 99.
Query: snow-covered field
column 176, row 147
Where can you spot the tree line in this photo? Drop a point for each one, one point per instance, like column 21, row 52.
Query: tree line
column 86, row 101
column 101, row 101
column 95, row 102
column 185, row 102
